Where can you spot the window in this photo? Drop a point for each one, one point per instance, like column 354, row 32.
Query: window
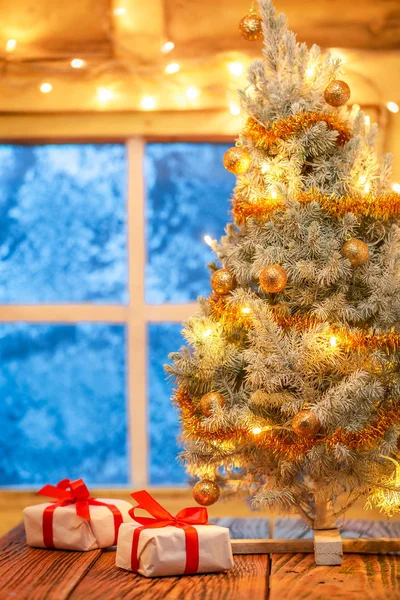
column 101, row 258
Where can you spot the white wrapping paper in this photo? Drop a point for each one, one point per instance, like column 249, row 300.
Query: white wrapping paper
column 71, row 532
column 162, row 551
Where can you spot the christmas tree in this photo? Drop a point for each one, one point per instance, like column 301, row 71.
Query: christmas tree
column 289, row 388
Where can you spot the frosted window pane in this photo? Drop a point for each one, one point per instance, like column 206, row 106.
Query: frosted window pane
column 62, row 409
column 164, row 468
column 63, row 224
column 188, row 192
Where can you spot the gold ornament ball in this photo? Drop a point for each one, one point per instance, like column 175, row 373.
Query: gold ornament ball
column 356, row 252
column 206, row 492
column 337, row 93
column 211, row 400
column 236, row 160
column 273, row 278
column 250, row 27
column 306, row 424
column 222, row 282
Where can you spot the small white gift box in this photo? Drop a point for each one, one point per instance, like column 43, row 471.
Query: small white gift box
column 76, row 521
column 155, row 548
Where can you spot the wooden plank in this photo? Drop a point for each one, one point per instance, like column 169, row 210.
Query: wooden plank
column 282, row 546
column 363, row 577
column 37, row 574
column 248, row 579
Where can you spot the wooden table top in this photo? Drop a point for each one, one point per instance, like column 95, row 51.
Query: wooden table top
column 37, row 574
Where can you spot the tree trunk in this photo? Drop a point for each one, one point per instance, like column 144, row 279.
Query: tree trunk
column 324, row 517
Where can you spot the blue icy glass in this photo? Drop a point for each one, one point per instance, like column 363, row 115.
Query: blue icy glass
column 188, row 195
column 62, row 408
column 163, row 465
column 63, row 224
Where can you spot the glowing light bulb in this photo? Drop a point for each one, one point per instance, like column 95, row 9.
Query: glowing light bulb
column 104, row 94
column 256, row 430
column 265, row 168
column 192, row 93
column 367, row 121
column 236, row 68
column 11, row 45
column 333, row 341
column 362, row 180
column 246, row 310
column 120, row 10
column 396, row 188
column 46, row 88
column 393, row 107
column 274, row 194
column 167, row 47
column 148, row 102
column 207, row 333
column 367, row 188
column 208, row 239
column 234, row 109
column 310, row 72
column 77, row 63
column 172, row 68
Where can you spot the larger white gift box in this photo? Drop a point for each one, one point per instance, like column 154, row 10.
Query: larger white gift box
column 162, row 550
column 71, row 532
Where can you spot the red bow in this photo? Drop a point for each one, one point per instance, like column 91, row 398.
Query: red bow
column 72, row 492
column 185, row 519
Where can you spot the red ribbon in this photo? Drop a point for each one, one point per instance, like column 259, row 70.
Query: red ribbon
column 185, row 519
column 72, row 492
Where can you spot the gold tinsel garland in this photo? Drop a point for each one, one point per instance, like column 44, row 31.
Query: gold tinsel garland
column 230, row 316
column 282, row 443
column 382, row 207
column 265, row 136
column 367, row 436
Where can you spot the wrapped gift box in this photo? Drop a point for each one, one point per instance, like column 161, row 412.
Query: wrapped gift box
column 74, row 523
column 167, row 545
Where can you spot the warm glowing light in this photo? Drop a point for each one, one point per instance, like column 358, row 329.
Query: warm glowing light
column 77, row 63
column 274, row 194
column 367, row 188
column 192, row 93
column 362, row 180
column 236, row 68
column 310, row 72
column 393, row 107
column 46, row 88
column 333, row 341
column 367, row 121
column 265, row 168
column 172, row 68
column 256, row 430
column 396, row 188
column 148, row 103
column 104, row 94
column 120, row 10
column 246, row 310
column 208, row 239
column 11, row 45
column 234, row 109
column 207, row 333
column 167, row 47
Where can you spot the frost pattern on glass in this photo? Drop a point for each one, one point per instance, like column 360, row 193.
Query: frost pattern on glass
column 63, row 224
column 188, row 192
column 163, row 465
column 62, row 409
